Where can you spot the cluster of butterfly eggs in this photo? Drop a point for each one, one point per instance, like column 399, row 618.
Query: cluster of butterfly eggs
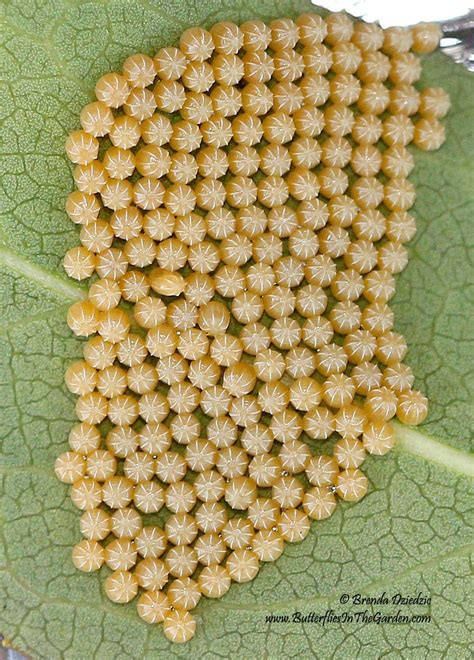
column 217, row 207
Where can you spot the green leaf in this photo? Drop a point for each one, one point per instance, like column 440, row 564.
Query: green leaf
column 410, row 534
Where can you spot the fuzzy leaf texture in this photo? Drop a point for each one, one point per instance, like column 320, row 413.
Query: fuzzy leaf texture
column 412, row 531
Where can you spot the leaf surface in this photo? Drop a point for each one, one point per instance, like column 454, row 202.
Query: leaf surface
column 411, row 533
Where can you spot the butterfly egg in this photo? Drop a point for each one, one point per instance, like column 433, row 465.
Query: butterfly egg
column 211, row 517
column 263, row 513
column 200, row 455
column 88, row 556
column 170, row 63
column 287, row 492
column 82, row 148
column 212, row 162
column 183, row 168
column 181, row 561
column 139, row 70
column 125, row 132
column 90, row 178
column 429, row 134
column 214, row 581
column 210, row 486
column 138, row 466
column 285, row 333
column 397, row 40
column 312, row 29
column 83, row 318
column 199, row 288
column 293, row 525
column 95, row 525
column 398, row 377
column 153, row 407
column 156, row 130
column 122, row 441
column 179, row 626
column 215, row 401
column 120, row 555
column 82, row 207
column 183, row 397
column 286, row 425
column 150, row 542
column 116, row 194
column 125, row 523
column 374, row 67
column 210, row 550
column 391, row 348
column 434, row 102
column 282, row 222
column 112, row 381
column 181, row 529
column 345, row 318
column 84, row 438
column 80, row 378
column 232, row 462
column 134, row 286
column 344, row 89
column 367, row 129
column 247, row 307
column 279, row 301
column 198, row 76
column 235, row 250
column 184, row 592
column 351, row 485
column 111, row 263
column 349, row 453
column 170, row 467
column 426, row 37
column 378, row 437
column 242, row 565
column 379, row 286
column 180, row 497
column 338, row 390
column 319, row 503
column 397, row 130
column 153, row 606
column 86, row 494
column 366, row 376
column 226, row 350
column 169, row 96
column 123, row 409
column 392, row 257
column 397, row 162
column 112, row 89
column 192, row 344
column 349, row 422
column 255, row 338
column 121, row 586
column 318, row 423
column 294, row 456
column 240, row 492
column 268, row 545
column 381, row 404
column 167, row 283
column 412, row 407
column 288, row 65
column 154, row 438
column 377, row 318
column 101, row 465
column 361, row 256
column 69, row 467
column 140, row 104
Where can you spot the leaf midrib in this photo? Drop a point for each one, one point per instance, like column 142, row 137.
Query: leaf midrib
column 40, row 275
column 409, row 440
